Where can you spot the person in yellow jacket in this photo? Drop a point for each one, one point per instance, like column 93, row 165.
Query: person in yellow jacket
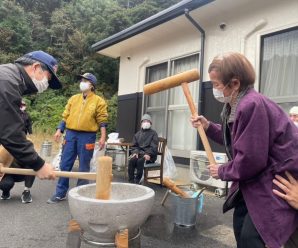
column 83, row 116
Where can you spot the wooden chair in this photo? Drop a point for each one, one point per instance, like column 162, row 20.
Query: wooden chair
column 162, row 143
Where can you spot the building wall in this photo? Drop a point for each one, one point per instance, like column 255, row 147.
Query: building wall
column 132, row 71
column 244, row 27
column 276, row 16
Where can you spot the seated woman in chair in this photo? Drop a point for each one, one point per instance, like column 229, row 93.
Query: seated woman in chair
column 144, row 149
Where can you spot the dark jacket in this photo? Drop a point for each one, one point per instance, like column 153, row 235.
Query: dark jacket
column 27, row 122
column 144, row 142
column 264, row 143
column 15, row 82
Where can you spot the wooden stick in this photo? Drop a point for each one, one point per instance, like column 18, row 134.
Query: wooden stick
column 103, row 178
column 73, row 226
column 121, row 239
column 29, row 172
column 200, row 127
column 172, row 186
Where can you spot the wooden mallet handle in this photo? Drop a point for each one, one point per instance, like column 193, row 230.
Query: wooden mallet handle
column 200, row 127
column 172, row 186
column 29, row 172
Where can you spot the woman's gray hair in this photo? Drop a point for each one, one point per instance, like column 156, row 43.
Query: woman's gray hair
column 28, row 61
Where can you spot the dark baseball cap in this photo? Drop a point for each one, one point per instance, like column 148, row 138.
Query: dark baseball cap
column 89, row 76
column 51, row 64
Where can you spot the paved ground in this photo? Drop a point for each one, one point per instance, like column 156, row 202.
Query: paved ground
column 39, row 224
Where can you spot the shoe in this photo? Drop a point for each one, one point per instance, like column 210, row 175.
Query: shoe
column 55, row 199
column 26, row 196
column 5, row 196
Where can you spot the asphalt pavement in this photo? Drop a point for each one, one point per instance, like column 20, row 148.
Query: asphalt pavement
column 39, row 224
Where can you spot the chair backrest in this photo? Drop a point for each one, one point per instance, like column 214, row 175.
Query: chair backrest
column 162, row 143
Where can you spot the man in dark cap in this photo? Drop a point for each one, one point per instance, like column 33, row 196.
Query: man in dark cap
column 84, row 115
column 32, row 73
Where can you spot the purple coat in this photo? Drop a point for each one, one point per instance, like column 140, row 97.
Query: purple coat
column 264, row 143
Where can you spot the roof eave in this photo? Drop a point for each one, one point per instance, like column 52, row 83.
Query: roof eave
column 153, row 21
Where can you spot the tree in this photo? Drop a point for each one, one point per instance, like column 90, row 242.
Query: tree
column 67, row 29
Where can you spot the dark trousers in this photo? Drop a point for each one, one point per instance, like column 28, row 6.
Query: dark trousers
column 245, row 232
column 135, row 163
column 79, row 144
column 8, row 181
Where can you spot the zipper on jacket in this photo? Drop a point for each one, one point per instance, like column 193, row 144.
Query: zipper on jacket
column 82, row 106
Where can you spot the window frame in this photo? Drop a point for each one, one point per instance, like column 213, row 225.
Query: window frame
column 262, row 37
column 170, row 107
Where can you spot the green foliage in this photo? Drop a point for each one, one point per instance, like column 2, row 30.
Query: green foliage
column 66, row 29
column 112, row 111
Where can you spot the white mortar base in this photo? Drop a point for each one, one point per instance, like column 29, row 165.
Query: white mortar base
column 129, row 207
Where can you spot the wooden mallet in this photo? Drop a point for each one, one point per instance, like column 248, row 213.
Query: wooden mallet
column 182, row 79
column 29, row 172
column 103, row 177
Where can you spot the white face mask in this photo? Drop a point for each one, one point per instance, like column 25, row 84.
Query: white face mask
column 84, row 86
column 296, row 123
column 219, row 96
column 146, row 125
column 42, row 84
column 23, row 108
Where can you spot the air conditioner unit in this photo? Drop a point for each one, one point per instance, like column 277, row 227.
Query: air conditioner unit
column 199, row 172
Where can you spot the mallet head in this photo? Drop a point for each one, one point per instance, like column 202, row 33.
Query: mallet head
column 171, row 82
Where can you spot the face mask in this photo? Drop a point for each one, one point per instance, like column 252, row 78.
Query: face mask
column 296, row 123
column 84, row 86
column 146, row 125
column 23, row 108
column 41, row 85
column 219, row 96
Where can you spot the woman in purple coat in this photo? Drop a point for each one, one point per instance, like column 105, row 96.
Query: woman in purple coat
column 261, row 142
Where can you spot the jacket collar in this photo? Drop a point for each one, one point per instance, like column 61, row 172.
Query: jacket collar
column 28, row 86
column 89, row 95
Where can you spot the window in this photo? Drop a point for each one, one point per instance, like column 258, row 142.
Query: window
column 279, row 63
column 156, row 103
column 169, row 109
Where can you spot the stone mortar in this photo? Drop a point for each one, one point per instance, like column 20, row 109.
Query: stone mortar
column 128, row 207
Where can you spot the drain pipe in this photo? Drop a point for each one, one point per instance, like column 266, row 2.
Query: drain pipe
column 201, row 30
column 144, row 62
column 202, row 53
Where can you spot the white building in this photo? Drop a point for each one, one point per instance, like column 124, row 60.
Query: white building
column 266, row 31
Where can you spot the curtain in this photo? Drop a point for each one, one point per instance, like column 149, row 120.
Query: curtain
column 181, row 135
column 279, row 71
column 155, row 73
column 157, row 102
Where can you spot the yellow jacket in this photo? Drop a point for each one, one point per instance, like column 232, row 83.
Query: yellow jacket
column 85, row 114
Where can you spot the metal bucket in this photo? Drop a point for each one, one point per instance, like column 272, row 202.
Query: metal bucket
column 184, row 210
column 46, row 149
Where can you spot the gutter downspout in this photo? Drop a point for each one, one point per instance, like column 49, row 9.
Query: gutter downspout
column 202, row 53
column 144, row 62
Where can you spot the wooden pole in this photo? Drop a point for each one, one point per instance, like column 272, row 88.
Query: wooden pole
column 172, row 186
column 200, row 127
column 29, row 172
column 121, row 239
column 103, row 178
